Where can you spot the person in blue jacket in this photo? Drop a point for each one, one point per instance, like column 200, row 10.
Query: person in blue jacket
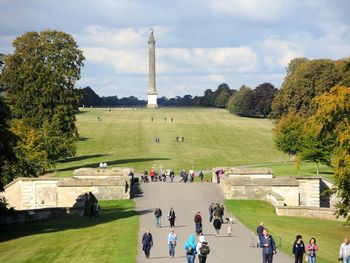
column 190, row 248
column 268, row 247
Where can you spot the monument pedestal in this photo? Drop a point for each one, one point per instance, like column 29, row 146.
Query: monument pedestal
column 152, row 101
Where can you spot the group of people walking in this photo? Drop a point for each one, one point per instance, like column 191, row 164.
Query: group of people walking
column 192, row 247
column 164, row 174
column 300, row 251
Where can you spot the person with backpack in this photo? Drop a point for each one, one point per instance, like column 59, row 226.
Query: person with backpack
column 198, row 223
column 171, row 217
column 190, row 248
column 202, row 249
column 172, row 241
column 158, row 215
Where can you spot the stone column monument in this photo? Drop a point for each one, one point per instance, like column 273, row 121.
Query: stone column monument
column 152, row 92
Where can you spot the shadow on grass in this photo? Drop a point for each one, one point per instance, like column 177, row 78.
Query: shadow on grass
column 115, row 162
column 83, row 157
column 83, row 139
column 108, row 214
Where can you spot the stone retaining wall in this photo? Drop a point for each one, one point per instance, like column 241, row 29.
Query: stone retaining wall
column 26, row 216
column 312, row 212
column 36, row 193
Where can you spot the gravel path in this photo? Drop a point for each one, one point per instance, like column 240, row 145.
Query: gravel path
column 187, row 199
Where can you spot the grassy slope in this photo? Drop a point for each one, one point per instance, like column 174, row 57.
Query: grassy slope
column 213, row 138
column 110, row 238
column 329, row 234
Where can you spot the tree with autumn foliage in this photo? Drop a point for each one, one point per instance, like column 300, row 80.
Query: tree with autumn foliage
column 331, row 119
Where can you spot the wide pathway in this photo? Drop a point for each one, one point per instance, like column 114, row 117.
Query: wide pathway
column 187, row 199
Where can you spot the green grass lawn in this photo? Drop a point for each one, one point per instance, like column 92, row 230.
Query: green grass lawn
column 329, row 234
column 213, row 137
column 110, row 238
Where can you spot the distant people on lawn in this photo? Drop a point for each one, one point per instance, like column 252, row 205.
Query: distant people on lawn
column 147, row 243
column 198, row 223
column 298, row 249
column 311, row 249
column 190, row 248
column 172, row 217
column 157, row 140
column 268, row 247
column 344, row 251
column 172, row 242
column 158, row 215
column 103, row 165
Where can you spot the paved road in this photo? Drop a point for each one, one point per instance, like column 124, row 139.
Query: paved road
column 187, row 199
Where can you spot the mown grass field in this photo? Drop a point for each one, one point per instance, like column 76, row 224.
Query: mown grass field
column 329, row 234
column 110, row 238
column 213, row 137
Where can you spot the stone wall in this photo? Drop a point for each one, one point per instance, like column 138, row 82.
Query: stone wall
column 27, row 216
column 35, row 193
column 312, row 212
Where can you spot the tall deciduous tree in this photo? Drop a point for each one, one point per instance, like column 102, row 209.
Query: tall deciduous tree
column 331, row 119
column 306, row 79
column 39, row 78
column 239, row 103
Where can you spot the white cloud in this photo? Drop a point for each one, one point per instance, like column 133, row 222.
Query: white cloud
column 252, row 9
column 176, row 60
column 278, row 52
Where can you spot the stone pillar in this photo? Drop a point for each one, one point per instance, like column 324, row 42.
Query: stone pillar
column 152, row 92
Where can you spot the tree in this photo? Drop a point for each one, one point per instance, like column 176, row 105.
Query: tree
column 222, row 99
column 88, row 98
column 314, row 148
column 7, row 143
column 261, row 99
column 331, row 119
column 39, row 78
column 306, row 79
column 238, row 102
column 288, row 133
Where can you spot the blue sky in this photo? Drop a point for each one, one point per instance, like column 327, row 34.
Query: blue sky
column 200, row 44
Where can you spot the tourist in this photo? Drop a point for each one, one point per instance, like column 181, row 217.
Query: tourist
column 344, row 251
column 222, row 212
column 171, row 217
column 92, row 209
column 210, row 212
column 158, row 215
column 201, row 175
column 268, row 247
column 152, row 174
column 260, row 230
column 183, row 139
column 217, row 225
column 298, row 249
column 202, row 249
column 172, row 120
column 191, row 175
column 311, row 249
column 190, row 248
column 198, row 223
column 147, row 243
column 172, row 241
column 96, row 209
column 171, row 175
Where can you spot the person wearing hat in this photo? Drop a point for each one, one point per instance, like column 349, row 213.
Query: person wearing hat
column 201, row 256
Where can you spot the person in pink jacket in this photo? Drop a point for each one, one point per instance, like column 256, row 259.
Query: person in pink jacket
column 311, row 249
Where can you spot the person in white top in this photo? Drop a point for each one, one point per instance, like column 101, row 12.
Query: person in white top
column 201, row 241
column 344, row 251
column 172, row 242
